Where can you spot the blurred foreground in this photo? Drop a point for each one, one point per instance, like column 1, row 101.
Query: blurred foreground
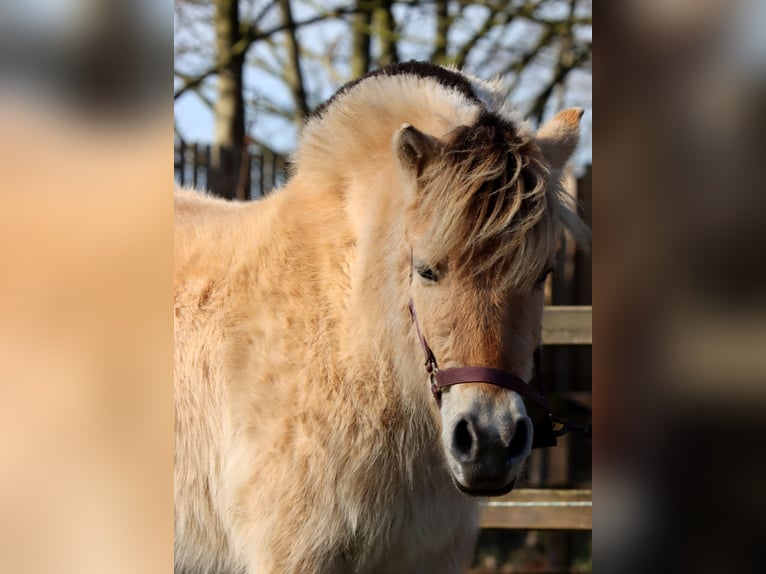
column 86, row 414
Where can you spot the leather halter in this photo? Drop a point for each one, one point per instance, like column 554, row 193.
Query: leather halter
column 544, row 431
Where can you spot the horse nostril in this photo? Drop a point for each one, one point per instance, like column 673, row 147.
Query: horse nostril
column 517, row 449
column 462, row 439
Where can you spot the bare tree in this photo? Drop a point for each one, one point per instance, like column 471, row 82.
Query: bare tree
column 275, row 60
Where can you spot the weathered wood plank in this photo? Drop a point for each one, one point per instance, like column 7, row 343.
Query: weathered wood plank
column 538, row 509
column 567, row 325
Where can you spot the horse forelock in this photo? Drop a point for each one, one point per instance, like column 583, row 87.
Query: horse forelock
column 491, row 204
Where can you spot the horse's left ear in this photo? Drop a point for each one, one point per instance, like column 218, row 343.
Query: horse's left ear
column 413, row 148
column 558, row 137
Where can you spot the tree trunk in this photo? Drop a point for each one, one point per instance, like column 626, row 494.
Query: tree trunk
column 439, row 55
column 360, row 56
column 293, row 73
column 386, row 28
column 229, row 134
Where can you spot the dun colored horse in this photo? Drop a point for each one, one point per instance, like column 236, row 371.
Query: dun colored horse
column 422, row 217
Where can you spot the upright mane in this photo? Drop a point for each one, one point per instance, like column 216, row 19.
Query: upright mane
column 445, row 77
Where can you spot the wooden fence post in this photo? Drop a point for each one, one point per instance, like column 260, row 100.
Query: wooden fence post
column 224, row 171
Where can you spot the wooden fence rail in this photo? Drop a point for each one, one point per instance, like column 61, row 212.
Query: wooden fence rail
column 567, row 325
column 540, row 509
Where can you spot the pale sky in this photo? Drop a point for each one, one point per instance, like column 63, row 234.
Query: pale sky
column 195, row 119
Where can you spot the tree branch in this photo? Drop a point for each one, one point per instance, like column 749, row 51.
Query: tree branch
column 496, row 17
column 250, row 35
column 294, row 75
column 569, row 59
column 562, row 71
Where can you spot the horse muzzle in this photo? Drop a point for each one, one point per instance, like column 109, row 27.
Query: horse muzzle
column 485, row 459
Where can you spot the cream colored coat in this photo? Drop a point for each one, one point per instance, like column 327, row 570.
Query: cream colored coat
column 306, row 437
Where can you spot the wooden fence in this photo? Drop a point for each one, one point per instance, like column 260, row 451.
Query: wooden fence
column 233, row 173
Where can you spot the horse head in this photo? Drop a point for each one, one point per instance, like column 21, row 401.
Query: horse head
column 485, row 207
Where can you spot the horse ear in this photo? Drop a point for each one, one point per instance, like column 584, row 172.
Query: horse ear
column 413, row 148
column 558, row 137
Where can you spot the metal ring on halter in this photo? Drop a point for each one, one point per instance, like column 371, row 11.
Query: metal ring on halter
column 436, row 391
column 569, row 426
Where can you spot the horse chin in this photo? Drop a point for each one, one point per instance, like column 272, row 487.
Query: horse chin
column 481, row 492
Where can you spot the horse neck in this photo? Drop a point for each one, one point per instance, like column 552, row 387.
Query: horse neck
column 347, row 154
column 379, row 327
column 355, row 134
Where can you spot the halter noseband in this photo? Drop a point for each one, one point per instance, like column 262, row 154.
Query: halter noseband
column 544, row 432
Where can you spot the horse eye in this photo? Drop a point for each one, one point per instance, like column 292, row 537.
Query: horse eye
column 427, row 274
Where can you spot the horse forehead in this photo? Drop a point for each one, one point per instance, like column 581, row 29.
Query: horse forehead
column 481, row 300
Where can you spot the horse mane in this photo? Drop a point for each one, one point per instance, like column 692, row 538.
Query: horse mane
column 488, row 191
column 445, row 77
